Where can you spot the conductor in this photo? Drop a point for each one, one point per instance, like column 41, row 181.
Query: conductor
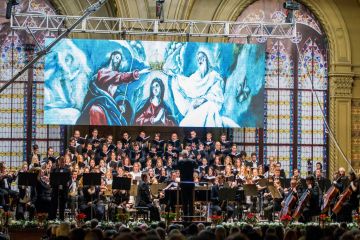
column 186, row 167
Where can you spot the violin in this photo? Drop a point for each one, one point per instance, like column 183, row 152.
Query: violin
column 305, row 197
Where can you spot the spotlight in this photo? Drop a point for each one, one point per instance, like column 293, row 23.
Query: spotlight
column 9, row 5
column 160, row 10
column 290, row 6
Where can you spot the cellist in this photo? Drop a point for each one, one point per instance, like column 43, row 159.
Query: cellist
column 291, row 197
column 349, row 202
column 312, row 207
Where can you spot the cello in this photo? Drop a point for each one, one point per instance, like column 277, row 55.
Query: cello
column 329, row 196
column 290, row 202
column 343, row 197
column 305, row 197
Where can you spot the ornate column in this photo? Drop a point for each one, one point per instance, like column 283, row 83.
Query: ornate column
column 340, row 119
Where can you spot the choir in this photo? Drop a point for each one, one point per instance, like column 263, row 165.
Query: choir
column 202, row 177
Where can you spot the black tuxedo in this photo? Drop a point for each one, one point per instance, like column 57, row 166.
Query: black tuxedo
column 187, row 185
column 59, row 196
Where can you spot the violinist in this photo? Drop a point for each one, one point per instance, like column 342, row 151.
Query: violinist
column 218, row 206
column 42, row 197
column 312, row 207
column 73, row 192
column 351, row 201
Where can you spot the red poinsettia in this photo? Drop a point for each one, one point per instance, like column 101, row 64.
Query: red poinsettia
column 80, row 216
column 325, row 218
column 286, row 218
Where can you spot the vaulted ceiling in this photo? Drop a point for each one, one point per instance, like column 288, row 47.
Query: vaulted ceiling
column 173, row 9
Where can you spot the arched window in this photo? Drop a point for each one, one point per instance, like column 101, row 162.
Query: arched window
column 293, row 124
column 15, row 48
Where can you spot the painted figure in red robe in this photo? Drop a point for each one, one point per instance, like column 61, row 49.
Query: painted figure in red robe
column 154, row 110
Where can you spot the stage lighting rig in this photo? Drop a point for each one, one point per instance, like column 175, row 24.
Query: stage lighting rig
column 290, row 6
column 9, row 6
column 160, row 10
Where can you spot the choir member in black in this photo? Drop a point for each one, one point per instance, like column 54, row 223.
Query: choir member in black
column 275, row 204
column 209, row 142
column 225, row 144
column 282, row 172
column 217, row 152
column 319, row 166
column 126, row 140
column 143, row 142
column 59, row 193
column 35, row 151
column 49, row 155
column 254, row 160
column 192, row 139
column 175, row 142
column 352, row 203
column 187, row 167
column 94, row 136
column 312, row 208
column 136, row 155
column 159, row 144
column 217, row 205
column 42, row 199
column 234, row 153
column 144, row 198
column 171, row 152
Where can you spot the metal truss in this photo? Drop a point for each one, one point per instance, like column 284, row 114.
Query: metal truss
column 131, row 26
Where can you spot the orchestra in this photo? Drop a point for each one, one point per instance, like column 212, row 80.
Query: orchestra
column 184, row 174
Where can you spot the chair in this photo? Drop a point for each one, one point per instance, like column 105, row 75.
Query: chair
column 144, row 212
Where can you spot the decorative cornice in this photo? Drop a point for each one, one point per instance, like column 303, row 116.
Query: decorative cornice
column 341, row 85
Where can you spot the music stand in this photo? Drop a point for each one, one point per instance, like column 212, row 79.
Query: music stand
column 250, row 190
column 27, row 179
column 91, row 179
column 275, row 194
column 227, row 194
column 156, row 188
column 121, row 183
column 57, row 180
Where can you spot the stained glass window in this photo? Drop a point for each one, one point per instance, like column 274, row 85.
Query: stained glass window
column 13, row 107
column 293, row 114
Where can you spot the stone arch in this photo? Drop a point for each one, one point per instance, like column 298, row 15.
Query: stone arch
column 340, row 75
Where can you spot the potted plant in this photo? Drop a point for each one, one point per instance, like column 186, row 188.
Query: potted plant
column 216, row 219
column 80, row 217
column 251, row 218
column 286, row 219
column 323, row 219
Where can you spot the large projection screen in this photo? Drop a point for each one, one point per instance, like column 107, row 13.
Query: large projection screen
column 152, row 83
